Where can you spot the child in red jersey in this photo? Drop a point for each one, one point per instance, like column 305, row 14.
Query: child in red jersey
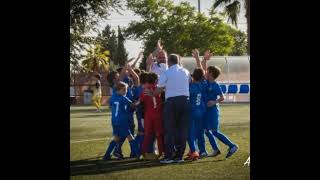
column 153, row 122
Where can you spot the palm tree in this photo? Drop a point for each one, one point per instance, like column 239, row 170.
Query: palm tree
column 96, row 60
column 232, row 9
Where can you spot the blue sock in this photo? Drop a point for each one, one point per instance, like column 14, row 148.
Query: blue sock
column 119, row 145
column 212, row 140
column 139, row 139
column 191, row 140
column 110, row 148
column 134, row 147
column 192, row 144
column 201, row 142
column 223, row 138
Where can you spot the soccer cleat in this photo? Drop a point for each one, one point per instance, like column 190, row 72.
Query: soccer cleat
column 203, row 154
column 118, row 155
column 166, row 161
column 214, row 153
column 178, row 160
column 232, row 151
column 105, row 158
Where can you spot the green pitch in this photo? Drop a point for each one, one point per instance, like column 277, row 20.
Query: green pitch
column 91, row 132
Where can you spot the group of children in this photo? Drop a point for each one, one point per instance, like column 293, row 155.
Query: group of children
column 128, row 98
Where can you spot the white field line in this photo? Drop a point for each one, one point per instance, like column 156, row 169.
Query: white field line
column 87, row 140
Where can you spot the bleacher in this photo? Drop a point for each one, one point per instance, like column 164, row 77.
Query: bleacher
column 236, row 92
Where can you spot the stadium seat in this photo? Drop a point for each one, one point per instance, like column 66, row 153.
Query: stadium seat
column 223, row 88
column 244, row 89
column 232, row 89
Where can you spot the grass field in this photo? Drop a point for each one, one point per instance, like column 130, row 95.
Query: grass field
column 91, row 132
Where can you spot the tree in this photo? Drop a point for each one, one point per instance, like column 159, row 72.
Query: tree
column 232, row 8
column 121, row 55
column 180, row 27
column 96, row 60
column 108, row 40
column 84, row 16
column 240, row 47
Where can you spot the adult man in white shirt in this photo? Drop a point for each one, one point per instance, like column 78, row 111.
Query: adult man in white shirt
column 175, row 81
column 158, row 64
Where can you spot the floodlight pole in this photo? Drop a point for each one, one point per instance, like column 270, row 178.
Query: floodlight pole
column 199, row 6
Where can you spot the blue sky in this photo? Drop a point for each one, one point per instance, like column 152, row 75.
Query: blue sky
column 134, row 47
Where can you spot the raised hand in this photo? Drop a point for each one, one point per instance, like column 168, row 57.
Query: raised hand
column 207, row 55
column 149, row 62
column 148, row 92
column 131, row 59
column 150, row 59
column 159, row 46
column 195, row 53
column 140, row 53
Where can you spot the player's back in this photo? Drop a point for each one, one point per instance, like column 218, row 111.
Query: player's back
column 197, row 96
column 120, row 109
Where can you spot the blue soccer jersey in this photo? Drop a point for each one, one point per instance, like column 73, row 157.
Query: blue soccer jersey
column 197, row 96
column 213, row 112
column 120, row 108
column 213, row 91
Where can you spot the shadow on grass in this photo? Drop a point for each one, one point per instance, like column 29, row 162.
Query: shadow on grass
column 93, row 166
column 98, row 166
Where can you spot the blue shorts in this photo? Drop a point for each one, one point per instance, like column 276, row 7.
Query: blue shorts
column 121, row 131
column 198, row 118
column 212, row 118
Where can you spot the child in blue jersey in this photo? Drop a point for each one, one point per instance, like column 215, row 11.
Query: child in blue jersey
column 214, row 96
column 197, row 90
column 120, row 107
column 139, row 111
column 199, row 124
column 123, row 75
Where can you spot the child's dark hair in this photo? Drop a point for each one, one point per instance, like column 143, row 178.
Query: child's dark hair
column 143, row 77
column 152, row 78
column 111, row 77
column 120, row 86
column 215, row 71
column 98, row 76
column 98, row 84
column 137, row 70
column 119, row 69
column 198, row 74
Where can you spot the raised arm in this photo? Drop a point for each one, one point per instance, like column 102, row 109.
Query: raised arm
column 206, row 57
column 149, row 62
column 195, row 54
column 137, row 59
column 134, row 75
column 158, row 48
column 122, row 74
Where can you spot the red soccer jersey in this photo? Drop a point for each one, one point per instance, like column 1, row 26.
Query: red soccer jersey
column 152, row 104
